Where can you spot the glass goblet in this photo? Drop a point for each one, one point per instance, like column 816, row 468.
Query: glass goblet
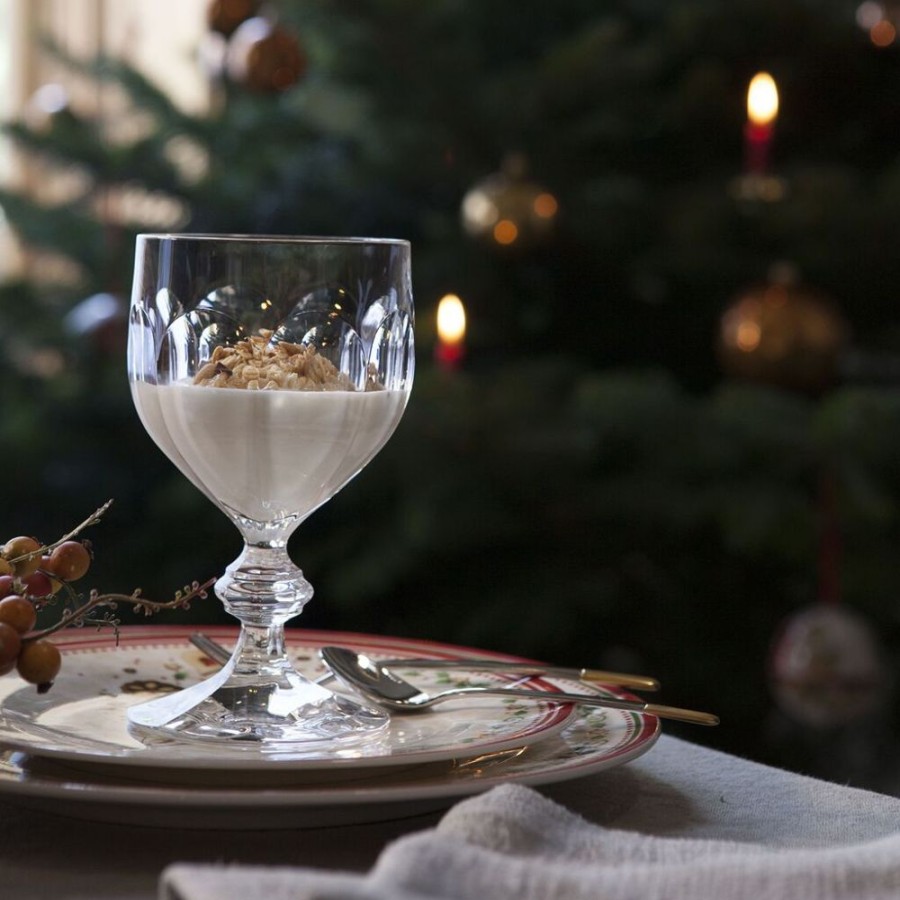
column 269, row 370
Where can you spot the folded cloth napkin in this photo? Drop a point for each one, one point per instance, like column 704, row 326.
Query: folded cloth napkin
column 512, row 843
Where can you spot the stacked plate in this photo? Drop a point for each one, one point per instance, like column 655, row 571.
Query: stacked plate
column 69, row 751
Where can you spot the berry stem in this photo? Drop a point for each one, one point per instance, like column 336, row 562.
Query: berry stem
column 181, row 600
column 92, row 519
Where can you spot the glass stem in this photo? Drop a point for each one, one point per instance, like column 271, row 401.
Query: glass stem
column 260, row 649
column 263, row 589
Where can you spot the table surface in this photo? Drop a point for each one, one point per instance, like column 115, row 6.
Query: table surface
column 677, row 789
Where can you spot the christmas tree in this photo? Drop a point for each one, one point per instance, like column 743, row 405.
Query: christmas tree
column 671, row 426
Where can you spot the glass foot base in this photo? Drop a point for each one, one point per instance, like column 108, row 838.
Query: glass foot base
column 284, row 713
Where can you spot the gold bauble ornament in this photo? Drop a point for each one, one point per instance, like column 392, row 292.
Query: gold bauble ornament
column 265, row 57
column 785, row 335
column 508, row 210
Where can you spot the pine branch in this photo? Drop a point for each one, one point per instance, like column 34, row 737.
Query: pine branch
column 64, row 228
column 71, row 141
column 145, row 95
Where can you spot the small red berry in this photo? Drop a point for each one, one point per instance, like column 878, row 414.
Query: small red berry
column 39, row 662
column 6, row 586
column 18, row 612
column 10, row 645
column 38, row 585
column 69, row 561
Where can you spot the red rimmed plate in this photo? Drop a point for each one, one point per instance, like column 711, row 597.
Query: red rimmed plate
column 82, row 718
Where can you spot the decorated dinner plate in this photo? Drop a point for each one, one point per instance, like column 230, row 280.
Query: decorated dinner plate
column 592, row 740
column 82, row 719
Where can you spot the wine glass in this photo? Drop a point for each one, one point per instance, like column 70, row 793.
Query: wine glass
column 269, row 370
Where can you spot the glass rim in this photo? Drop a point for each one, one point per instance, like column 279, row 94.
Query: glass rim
column 269, row 238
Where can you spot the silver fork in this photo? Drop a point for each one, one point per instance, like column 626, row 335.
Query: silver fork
column 640, row 682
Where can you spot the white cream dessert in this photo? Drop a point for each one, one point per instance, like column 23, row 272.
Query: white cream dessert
column 267, row 452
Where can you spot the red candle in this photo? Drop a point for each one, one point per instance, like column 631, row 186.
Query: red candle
column 451, row 332
column 762, row 110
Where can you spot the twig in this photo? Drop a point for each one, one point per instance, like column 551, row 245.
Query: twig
column 181, row 600
column 92, row 519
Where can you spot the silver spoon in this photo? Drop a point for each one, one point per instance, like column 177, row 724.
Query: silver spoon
column 384, row 687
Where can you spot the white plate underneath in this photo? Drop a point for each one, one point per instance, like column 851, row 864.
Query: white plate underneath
column 594, row 740
column 83, row 783
column 83, row 717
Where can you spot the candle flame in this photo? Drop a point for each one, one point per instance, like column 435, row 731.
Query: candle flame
column 762, row 99
column 451, row 319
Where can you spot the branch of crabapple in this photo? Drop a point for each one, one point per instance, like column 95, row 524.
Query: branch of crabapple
column 182, row 600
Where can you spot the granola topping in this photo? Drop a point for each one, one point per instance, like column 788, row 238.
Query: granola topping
column 255, row 364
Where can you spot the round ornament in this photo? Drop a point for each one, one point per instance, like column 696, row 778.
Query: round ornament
column 506, row 209
column 826, row 668
column 785, row 335
column 264, row 57
column 224, row 16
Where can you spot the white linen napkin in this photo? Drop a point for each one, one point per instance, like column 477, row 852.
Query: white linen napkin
column 512, row 843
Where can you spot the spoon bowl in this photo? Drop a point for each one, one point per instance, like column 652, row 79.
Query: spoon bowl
column 384, row 687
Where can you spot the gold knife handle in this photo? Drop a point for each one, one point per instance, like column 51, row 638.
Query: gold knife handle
column 598, row 676
column 684, row 715
column 639, row 682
